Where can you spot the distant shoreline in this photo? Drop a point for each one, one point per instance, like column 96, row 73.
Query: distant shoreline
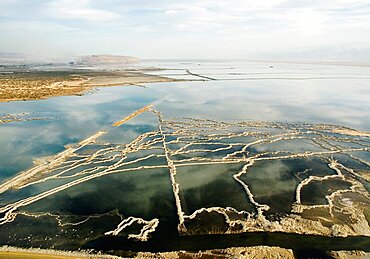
column 308, row 62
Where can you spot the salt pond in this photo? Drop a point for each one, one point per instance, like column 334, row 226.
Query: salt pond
column 238, row 150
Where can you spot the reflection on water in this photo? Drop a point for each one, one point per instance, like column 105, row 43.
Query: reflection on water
column 211, row 186
column 211, row 157
column 67, row 120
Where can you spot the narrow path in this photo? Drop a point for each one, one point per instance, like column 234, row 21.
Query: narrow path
column 193, row 74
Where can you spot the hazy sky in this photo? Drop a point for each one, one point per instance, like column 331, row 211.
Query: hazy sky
column 189, row 28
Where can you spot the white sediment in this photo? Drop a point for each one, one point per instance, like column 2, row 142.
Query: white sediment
column 113, row 159
column 149, row 227
column 172, row 171
column 55, row 160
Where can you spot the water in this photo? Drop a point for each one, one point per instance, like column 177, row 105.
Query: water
column 204, row 122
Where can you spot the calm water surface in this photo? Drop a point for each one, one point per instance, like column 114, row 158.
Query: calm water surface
column 248, row 91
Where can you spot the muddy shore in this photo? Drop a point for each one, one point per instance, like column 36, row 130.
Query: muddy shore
column 22, row 85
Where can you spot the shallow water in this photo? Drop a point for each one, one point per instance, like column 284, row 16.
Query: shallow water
column 201, row 126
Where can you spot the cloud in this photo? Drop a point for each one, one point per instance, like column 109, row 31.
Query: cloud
column 239, row 28
column 34, row 26
column 79, row 10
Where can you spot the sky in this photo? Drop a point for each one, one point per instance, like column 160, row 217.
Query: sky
column 276, row 29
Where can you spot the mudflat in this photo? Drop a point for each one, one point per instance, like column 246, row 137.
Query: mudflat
column 33, row 85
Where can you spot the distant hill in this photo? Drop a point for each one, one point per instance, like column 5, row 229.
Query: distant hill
column 105, row 60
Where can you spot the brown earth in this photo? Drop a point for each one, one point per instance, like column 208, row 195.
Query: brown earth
column 33, row 85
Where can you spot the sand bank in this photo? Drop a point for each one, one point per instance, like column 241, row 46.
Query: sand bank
column 34, row 85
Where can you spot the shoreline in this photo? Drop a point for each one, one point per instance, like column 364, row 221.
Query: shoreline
column 40, row 85
column 253, row 252
column 17, row 252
